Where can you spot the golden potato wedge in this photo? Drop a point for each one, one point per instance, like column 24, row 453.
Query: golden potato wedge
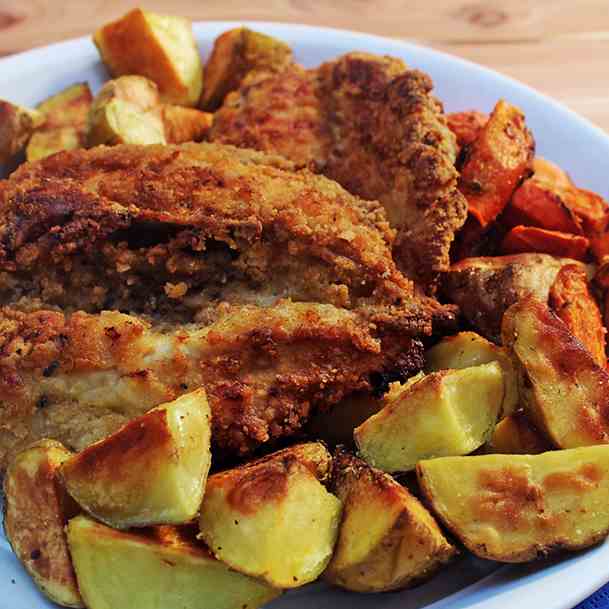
column 151, row 471
column 563, row 391
column 68, row 108
column 570, row 298
column 158, row 568
column 470, row 349
column 271, row 519
column 16, row 127
column 451, row 412
column 514, row 508
column 235, row 53
column 485, row 287
column 126, row 111
column 185, row 124
column 387, row 539
column 159, row 47
column 515, row 435
column 46, row 142
column 36, row 509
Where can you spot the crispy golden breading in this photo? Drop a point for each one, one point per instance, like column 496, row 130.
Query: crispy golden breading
column 168, row 229
column 78, row 378
column 371, row 124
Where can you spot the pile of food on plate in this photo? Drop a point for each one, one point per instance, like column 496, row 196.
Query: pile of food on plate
column 262, row 324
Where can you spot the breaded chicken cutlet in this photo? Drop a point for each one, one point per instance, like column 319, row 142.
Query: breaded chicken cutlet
column 372, row 125
column 272, row 288
column 168, row 229
column 78, row 378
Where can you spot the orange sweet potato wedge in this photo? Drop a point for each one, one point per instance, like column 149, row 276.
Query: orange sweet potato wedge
column 542, row 201
column 572, row 301
column 496, row 163
column 523, row 239
column 466, row 125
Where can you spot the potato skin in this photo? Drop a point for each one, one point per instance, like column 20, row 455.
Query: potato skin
column 485, row 287
column 563, row 390
column 404, row 546
column 35, row 512
column 517, row 508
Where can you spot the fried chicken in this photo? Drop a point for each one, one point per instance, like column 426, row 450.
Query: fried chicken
column 78, row 378
column 170, row 229
column 274, row 289
column 371, row 124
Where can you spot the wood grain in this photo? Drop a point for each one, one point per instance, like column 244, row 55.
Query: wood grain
column 559, row 47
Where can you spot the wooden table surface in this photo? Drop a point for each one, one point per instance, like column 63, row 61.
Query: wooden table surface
column 560, row 47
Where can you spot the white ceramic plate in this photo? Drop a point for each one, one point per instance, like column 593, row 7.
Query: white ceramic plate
column 561, row 136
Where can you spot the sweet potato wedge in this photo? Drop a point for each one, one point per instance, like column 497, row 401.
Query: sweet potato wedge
column 522, row 239
column 466, row 125
column 563, row 391
column 571, row 299
column 493, row 167
column 536, row 204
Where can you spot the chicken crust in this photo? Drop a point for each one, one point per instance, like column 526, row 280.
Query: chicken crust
column 77, row 378
column 371, row 124
column 170, row 229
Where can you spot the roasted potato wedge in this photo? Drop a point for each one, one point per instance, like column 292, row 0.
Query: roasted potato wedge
column 65, row 122
column 466, row 125
column 571, row 299
column 68, row 108
column 151, row 471
column 514, row 508
column 185, row 124
column 271, row 519
column 563, row 390
column 46, row 142
column 387, row 539
column 493, row 167
column 36, row 509
column 16, row 127
column 126, row 111
column 470, row 349
column 522, row 239
column 451, row 412
column 485, row 287
column 159, row 47
column 515, row 435
column 235, row 53
column 157, row 568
